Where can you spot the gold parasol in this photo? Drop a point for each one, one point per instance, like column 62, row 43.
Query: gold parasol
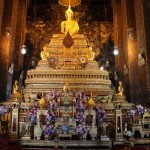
column 72, row 3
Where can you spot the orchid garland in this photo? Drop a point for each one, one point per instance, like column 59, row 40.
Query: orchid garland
column 50, row 117
column 137, row 110
column 53, row 105
column 80, row 129
column 79, row 94
column 79, row 106
column 53, row 94
column 100, row 113
column 32, row 114
column 3, row 110
column 80, row 116
column 50, row 130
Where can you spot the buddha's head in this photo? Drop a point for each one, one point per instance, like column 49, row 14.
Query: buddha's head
column 69, row 14
column 16, row 82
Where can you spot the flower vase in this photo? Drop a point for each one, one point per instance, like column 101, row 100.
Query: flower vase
column 81, row 137
column 38, row 131
column 65, row 129
column 84, row 136
column 49, row 137
column 46, row 137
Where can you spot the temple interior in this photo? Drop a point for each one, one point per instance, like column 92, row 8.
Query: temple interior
column 74, row 74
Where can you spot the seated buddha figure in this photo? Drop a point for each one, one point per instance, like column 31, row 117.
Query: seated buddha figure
column 120, row 89
column 15, row 89
column 69, row 25
column 44, row 54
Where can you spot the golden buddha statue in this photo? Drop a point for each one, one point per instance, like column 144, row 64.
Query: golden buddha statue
column 44, row 54
column 120, row 89
column 43, row 103
column 66, row 87
column 90, row 54
column 69, row 25
column 15, row 89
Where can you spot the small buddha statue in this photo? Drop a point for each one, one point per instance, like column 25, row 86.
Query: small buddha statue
column 43, row 103
column 66, row 87
column 15, row 90
column 44, row 54
column 69, row 25
column 120, row 89
column 90, row 54
column 15, row 87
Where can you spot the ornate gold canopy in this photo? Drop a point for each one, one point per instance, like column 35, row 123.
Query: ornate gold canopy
column 72, row 2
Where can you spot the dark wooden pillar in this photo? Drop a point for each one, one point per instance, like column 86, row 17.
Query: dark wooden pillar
column 20, row 37
column 13, row 22
column 5, row 45
column 130, row 48
column 1, row 13
column 140, row 30
column 118, row 36
column 146, row 11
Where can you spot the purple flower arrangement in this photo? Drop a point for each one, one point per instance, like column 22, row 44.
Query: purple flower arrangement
column 54, row 94
column 137, row 110
column 100, row 113
column 50, row 130
column 80, row 116
column 79, row 94
column 53, row 105
column 79, row 106
column 3, row 110
column 80, row 129
column 50, row 117
column 32, row 114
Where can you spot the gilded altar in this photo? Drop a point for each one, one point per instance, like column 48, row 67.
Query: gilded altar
column 75, row 65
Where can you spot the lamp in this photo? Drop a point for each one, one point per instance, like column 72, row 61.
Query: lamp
column 8, row 29
column 115, row 50
column 102, row 68
column 23, row 50
column 72, row 3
